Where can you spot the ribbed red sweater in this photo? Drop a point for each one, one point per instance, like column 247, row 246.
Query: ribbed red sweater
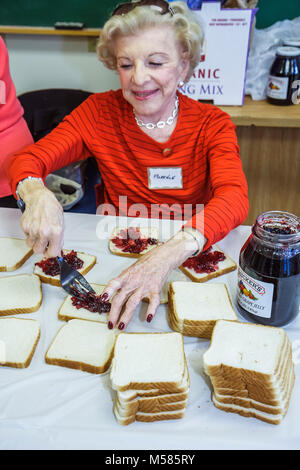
column 203, row 144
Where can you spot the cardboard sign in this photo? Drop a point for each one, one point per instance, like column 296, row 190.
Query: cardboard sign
column 221, row 74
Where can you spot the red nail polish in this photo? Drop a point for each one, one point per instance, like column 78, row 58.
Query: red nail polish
column 110, row 325
column 149, row 318
column 121, row 326
column 104, row 297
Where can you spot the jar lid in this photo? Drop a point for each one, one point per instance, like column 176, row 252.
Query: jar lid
column 278, row 227
column 287, row 51
column 292, row 42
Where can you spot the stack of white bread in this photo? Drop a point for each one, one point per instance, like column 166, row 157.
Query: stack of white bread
column 150, row 375
column 250, row 367
column 193, row 308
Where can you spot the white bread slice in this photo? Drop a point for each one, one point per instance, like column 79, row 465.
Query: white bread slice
column 146, row 232
column 194, row 308
column 248, row 412
column 269, row 392
column 279, row 408
column 131, row 394
column 148, row 417
column 251, row 369
column 20, row 293
column 147, row 361
column 224, row 267
column 244, row 346
column 149, row 407
column 225, row 373
column 88, row 262
column 68, row 311
column 152, row 403
column 13, row 253
column 84, row 345
column 18, row 340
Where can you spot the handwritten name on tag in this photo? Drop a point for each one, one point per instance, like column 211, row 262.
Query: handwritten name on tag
column 165, row 178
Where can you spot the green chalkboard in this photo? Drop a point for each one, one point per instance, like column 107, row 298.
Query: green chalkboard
column 271, row 11
column 93, row 13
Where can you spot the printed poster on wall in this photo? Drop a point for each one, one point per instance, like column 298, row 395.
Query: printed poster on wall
column 221, row 74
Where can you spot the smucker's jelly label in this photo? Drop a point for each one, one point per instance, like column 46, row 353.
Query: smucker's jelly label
column 255, row 296
column 278, row 87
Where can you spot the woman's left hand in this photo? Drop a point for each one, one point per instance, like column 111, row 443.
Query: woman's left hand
column 145, row 279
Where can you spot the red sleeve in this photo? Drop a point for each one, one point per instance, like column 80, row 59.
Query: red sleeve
column 64, row 145
column 228, row 206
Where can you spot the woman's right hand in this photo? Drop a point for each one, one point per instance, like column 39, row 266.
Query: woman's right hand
column 42, row 221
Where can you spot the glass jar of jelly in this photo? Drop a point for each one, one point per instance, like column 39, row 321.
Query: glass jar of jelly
column 269, row 270
column 285, row 72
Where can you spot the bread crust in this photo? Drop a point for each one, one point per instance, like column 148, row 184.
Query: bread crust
column 164, row 387
column 17, row 265
column 80, row 365
column 150, row 406
column 115, row 251
column 196, row 278
column 21, row 261
column 147, row 417
column 209, row 276
column 248, row 413
column 195, row 328
column 20, row 310
column 71, row 364
column 24, row 365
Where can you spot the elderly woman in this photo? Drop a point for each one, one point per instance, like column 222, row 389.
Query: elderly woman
column 147, row 124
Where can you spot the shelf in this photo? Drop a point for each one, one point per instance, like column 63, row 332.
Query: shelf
column 263, row 114
column 48, row 31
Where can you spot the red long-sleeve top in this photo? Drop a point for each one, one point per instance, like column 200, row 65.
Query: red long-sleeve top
column 203, row 144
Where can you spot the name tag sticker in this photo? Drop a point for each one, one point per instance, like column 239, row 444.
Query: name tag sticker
column 165, row 178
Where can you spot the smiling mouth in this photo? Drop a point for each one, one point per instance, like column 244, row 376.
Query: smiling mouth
column 141, row 95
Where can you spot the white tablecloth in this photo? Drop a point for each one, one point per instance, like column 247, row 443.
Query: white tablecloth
column 51, row 407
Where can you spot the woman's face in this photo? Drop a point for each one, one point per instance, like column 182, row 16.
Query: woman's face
column 150, row 66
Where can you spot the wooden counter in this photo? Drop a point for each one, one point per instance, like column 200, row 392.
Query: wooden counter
column 269, row 140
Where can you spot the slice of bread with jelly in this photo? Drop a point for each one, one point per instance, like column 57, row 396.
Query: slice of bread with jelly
column 208, row 265
column 49, row 272
column 133, row 242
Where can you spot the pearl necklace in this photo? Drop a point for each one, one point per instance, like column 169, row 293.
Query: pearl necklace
column 159, row 124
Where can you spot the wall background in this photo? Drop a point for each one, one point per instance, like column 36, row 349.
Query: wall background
column 39, row 62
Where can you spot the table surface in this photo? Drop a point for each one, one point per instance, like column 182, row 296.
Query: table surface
column 51, row 407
